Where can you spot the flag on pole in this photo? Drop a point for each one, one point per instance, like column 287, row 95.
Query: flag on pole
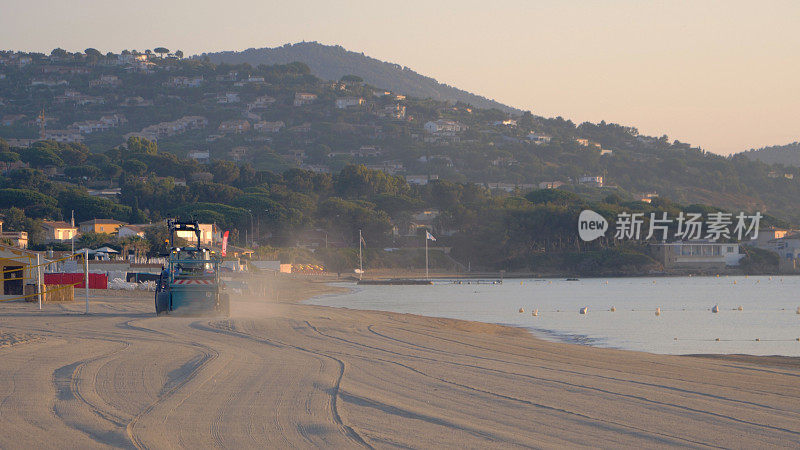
column 428, row 235
column 225, row 244
column 362, row 240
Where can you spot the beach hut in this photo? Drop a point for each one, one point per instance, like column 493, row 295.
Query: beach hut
column 16, row 264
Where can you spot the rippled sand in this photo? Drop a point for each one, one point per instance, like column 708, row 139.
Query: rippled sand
column 279, row 374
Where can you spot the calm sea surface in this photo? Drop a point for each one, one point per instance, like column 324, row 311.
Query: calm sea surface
column 685, row 325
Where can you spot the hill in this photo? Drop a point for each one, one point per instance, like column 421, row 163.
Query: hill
column 271, row 118
column 788, row 155
column 333, row 62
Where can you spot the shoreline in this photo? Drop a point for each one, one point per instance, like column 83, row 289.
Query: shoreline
column 763, row 360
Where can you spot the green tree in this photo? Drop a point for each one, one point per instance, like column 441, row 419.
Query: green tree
column 134, row 167
column 59, row 53
column 137, row 144
column 161, row 51
column 93, row 240
column 14, row 219
column 224, row 172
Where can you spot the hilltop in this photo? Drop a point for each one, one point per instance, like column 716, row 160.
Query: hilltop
column 788, row 155
column 332, row 62
column 272, row 118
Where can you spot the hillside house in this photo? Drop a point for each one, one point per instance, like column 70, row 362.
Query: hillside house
column 63, row 136
column 238, row 153
column 130, row 230
column 305, row 127
column 366, row 151
column 184, row 82
column 268, row 127
column 395, row 111
column 420, row 179
column 261, row 102
column 17, row 239
column 444, row 127
column 509, row 187
column 234, row 126
column 106, row 81
column 697, row 254
column 209, row 234
column 49, row 82
column 507, row 123
column 135, row 102
column 538, row 138
column 550, row 184
column 304, row 98
column 348, row 102
column 505, row 161
column 595, row 180
column 228, row 97
column 107, row 226
column 59, row 231
column 201, row 156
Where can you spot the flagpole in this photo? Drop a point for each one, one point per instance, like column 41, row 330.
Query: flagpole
column 426, row 255
column 360, row 260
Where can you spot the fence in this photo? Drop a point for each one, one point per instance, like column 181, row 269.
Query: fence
column 42, row 288
column 96, row 280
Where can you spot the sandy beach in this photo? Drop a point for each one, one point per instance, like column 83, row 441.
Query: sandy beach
column 281, row 374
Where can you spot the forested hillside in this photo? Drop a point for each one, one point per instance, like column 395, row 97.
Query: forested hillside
column 274, row 118
column 333, row 62
column 788, row 155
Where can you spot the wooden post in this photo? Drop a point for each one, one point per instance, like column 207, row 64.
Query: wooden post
column 86, row 277
column 39, row 280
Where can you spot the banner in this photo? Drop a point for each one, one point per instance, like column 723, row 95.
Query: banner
column 225, row 244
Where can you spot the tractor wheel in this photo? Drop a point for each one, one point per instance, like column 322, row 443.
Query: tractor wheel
column 162, row 303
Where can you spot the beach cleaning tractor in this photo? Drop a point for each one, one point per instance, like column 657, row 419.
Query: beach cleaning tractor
column 190, row 282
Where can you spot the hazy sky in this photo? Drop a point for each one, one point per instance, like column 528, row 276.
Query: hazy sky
column 724, row 75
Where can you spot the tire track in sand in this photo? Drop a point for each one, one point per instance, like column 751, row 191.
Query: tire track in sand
column 347, row 430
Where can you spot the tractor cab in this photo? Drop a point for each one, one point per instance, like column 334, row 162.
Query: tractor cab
column 190, row 284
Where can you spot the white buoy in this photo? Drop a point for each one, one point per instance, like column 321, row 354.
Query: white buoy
column 584, row 310
column 613, row 309
column 521, row 310
column 740, row 308
column 535, row 313
column 715, row 309
column 658, row 311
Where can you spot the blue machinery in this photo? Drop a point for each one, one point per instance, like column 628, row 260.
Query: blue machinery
column 190, row 284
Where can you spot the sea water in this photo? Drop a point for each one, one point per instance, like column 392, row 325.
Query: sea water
column 767, row 323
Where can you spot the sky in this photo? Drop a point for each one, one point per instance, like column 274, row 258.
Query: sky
column 722, row 75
